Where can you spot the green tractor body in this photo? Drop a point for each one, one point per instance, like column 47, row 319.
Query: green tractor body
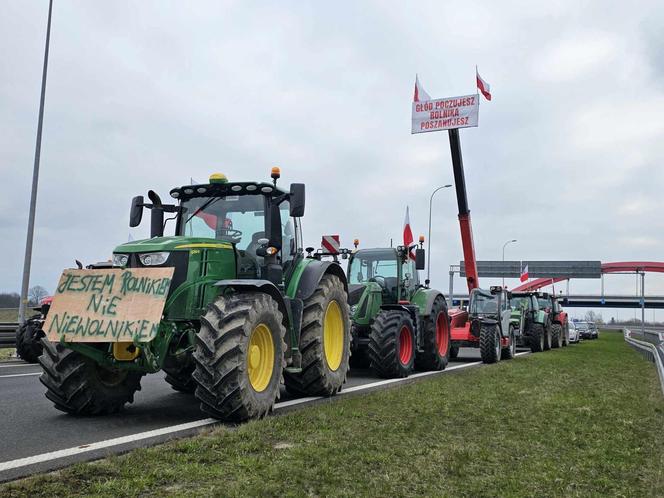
column 398, row 324
column 536, row 322
column 246, row 310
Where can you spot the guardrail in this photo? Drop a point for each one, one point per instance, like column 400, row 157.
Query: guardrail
column 651, row 345
column 8, row 334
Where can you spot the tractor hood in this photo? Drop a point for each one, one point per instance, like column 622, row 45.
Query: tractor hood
column 173, row 243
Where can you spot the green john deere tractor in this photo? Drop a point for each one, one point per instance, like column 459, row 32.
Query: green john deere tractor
column 536, row 322
column 398, row 324
column 246, row 310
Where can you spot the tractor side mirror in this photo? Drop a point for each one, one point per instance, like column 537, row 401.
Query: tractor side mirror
column 420, row 259
column 297, row 200
column 136, row 212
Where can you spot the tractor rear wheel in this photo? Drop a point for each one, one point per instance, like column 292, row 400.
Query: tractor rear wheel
column 239, row 356
column 435, row 338
column 547, row 337
column 490, row 343
column 537, row 338
column 78, row 385
column 510, row 351
column 392, row 344
column 556, row 336
column 324, row 341
column 566, row 336
column 28, row 340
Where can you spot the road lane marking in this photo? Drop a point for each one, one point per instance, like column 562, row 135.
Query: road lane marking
column 20, row 365
column 19, row 375
column 108, row 443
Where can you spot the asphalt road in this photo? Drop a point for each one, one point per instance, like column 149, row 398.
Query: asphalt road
column 31, row 426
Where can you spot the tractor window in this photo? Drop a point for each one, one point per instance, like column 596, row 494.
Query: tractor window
column 236, row 219
column 288, row 234
column 364, row 269
column 482, row 305
column 543, row 303
column 519, row 303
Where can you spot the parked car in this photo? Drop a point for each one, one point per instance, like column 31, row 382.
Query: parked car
column 574, row 333
column 594, row 331
column 583, row 329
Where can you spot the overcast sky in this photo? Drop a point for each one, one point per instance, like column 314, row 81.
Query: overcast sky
column 567, row 158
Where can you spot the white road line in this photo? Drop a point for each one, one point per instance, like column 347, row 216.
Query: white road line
column 20, row 365
column 19, row 375
column 108, row 443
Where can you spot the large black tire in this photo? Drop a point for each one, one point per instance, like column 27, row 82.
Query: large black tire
column 547, row 337
column 28, row 340
column 556, row 336
column 454, row 352
column 510, row 351
column 78, row 385
column 537, row 338
column 318, row 376
column 221, row 355
column 490, row 343
column 436, row 338
column 566, row 335
column 392, row 344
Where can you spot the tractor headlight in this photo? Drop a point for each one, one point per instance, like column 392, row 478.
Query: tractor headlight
column 153, row 258
column 120, row 259
column 353, row 309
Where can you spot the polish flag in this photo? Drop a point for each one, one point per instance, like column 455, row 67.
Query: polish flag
column 524, row 274
column 420, row 94
column 408, row 234
column 483, row 86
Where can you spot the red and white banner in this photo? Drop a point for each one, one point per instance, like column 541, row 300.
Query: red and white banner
column 420, row 94
column 524, row 274
column 330, row 243
column 445, row 114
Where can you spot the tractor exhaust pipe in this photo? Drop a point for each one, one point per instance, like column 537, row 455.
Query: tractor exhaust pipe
column 156, row 216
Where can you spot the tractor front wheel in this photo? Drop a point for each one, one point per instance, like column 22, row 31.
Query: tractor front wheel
column 324, row 341
column 28, row 340
column 79, row 386
column 547, row 337
column 490, row 343
column 510, row 351
column 537, row 339
column 556, row 336
column 435, row 338
column 239, row 356
column 392, row 344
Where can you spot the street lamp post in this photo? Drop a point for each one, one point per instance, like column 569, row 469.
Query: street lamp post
column 505, row 245
column 35, row 179
column 429, row 238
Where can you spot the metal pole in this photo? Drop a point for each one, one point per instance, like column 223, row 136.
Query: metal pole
column 643, row 303
column 35, row 179
column 451, row 285
column 429, row 237
column 505, row 244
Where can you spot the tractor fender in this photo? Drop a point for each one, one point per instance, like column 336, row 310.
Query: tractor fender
column 257, row 285
column 424, row 299
column 312, row 274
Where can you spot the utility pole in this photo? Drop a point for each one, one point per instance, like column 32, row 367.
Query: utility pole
column 504, row 245
column 35, row 180
column 429, row 238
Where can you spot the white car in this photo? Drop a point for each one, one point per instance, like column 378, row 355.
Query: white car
column 574, row 333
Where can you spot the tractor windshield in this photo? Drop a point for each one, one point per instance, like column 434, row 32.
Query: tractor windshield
column 519, row 303
column 373, row 266
column 239, row 219
column 481, row 304
column 544, row 303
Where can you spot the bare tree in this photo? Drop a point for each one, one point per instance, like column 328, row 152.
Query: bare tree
column 36, row 294
column 593, row 317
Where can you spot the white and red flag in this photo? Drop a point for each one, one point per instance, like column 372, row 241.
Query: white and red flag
column 420, row 94
column 408, row 234
column 483, row 86
column 524, row 274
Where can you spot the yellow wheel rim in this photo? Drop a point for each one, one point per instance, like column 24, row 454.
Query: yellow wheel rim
column 333, row 335
column 260, row 357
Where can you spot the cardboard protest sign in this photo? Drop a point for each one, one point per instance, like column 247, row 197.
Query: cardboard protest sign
column 445, row 114
column 108, row 305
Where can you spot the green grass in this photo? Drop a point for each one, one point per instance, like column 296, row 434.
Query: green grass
column 570, row 422
column 8, row 314
column 6, row 353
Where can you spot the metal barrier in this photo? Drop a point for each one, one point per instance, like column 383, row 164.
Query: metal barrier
column 8, row 334
column 651, row 346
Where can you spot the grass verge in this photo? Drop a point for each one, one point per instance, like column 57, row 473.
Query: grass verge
column 6, row 353
column 570, row 422
column 8, row 314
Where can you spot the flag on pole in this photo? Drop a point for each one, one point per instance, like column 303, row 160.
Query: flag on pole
column 524, row 274
column 408, row 234
column 483, row 86
column 420, row 94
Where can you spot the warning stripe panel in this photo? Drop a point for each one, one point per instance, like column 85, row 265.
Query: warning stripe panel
column 331, row 244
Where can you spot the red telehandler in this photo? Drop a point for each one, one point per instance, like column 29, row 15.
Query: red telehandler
column 486, row 322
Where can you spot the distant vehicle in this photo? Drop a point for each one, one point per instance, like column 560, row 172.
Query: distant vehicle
column 574, row 333
column 586, row 330
column 594, row 331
